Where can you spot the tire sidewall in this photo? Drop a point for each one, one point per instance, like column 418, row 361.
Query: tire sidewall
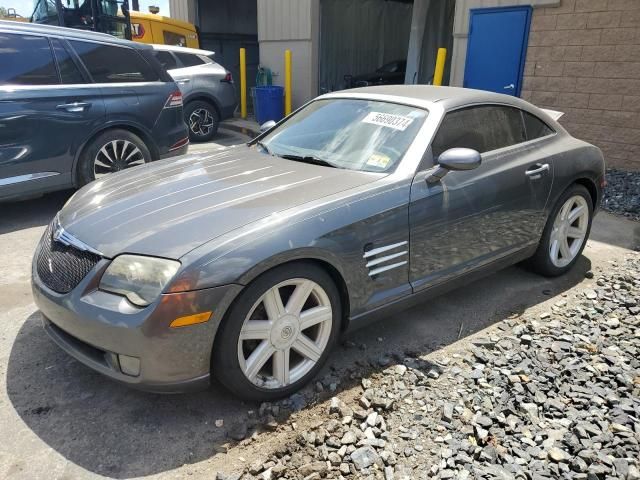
column 542, row 258
column 190, row 108
column 224, row 359
column 86, row 165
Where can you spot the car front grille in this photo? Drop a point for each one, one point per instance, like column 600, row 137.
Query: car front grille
column 62, row 267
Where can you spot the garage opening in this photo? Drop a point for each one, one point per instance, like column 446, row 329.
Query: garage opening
column 225, row 27
column 382, row 42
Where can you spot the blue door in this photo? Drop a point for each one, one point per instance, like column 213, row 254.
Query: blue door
column 497, row 48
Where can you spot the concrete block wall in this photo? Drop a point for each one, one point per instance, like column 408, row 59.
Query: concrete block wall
column 584, row 59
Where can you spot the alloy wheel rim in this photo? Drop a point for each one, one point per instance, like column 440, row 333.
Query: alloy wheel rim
column 285, row 333
column 569, row 231
column 201, row 122
column 116, row 155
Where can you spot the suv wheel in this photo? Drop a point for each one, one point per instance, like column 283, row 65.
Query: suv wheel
column 110, row 152
column 202, row 119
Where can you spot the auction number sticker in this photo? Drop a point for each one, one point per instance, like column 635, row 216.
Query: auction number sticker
column 397, row 122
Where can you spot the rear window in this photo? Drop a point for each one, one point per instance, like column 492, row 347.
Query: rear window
column 191, row 60
column 165, row 58
column 535, row 127
column 26, row 60
column 113, row 64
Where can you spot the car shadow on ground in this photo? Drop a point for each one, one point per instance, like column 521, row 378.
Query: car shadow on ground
column 114, row 431
column 35, row 212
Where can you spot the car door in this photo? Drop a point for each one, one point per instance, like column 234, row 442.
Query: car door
column 470, row 218
column 46, row 113
column 129, row 85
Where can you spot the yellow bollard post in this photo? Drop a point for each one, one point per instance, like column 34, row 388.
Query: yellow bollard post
column 243, row 83
column 439, row 72
column 287, row 82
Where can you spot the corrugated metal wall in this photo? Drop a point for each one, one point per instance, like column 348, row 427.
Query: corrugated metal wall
column 182, row 10
column 284, row 20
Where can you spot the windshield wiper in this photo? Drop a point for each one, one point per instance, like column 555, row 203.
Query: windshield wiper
column 309, row 159
column 264, row 147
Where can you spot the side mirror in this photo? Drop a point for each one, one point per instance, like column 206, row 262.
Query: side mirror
column 267, row 126
column 455, row 159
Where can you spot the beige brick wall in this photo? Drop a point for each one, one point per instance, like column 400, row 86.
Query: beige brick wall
column 584, row 59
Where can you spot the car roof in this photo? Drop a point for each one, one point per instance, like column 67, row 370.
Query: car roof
column 175, row 48
column 447, row 97
column 72, row 33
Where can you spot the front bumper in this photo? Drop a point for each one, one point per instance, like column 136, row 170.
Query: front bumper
column 95, row 327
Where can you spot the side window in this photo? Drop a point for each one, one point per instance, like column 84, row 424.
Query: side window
column 69, row 72
column 26, row 60
column 165, row 58
column 535, row 127
column 482, row 128
column 189, row 60
column 112, row 64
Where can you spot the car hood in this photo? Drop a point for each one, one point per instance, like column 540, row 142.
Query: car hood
column 170, row 207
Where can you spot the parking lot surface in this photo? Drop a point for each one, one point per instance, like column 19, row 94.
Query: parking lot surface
column 58, row 419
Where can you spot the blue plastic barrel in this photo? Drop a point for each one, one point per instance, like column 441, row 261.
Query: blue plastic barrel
column 268, row 103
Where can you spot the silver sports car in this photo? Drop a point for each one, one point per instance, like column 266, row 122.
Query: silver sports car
column 249, row 263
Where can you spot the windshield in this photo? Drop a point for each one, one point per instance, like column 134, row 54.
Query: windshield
column 80, row 14
column 364, row 135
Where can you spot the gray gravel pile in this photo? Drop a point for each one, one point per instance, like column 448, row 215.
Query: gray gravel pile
column 556, row 396
column 622, row 193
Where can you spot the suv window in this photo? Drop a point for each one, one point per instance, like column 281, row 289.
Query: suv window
column 535, row 127
column 190, row 60
column 26, row 60
column 165, row 58
column 112, row 64
column 483, row 128
column 69, row 72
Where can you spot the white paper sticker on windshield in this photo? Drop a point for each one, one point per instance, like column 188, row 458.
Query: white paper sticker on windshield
column 397, row 122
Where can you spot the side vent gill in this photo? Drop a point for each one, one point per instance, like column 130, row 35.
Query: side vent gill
column 379, row 261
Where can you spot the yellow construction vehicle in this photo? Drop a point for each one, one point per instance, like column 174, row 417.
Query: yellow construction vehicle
column 154, row 28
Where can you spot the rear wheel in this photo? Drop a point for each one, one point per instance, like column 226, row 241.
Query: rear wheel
column 565, row 234
column 110, row 152
column 279, row 332
column 202, row 119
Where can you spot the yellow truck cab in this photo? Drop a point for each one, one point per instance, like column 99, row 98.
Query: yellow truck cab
column 153, row 28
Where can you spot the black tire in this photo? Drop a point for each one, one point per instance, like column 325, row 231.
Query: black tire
column 541, row 261
column 225, row 365
column 87, row 164
column 199, row 129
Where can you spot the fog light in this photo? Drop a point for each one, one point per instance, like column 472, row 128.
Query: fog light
column 129, row 365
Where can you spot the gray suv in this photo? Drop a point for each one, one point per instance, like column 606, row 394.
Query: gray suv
column 76, row 105
column 207, row 87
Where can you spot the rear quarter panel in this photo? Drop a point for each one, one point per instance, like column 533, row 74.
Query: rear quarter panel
column 576, row 160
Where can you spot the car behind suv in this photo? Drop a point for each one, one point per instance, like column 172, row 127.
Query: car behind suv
column 76, row 105
column 207, row 87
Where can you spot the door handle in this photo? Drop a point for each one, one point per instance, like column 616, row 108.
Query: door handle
column 511, row 86
column 184, row 80
column 74, row 107
column 536, row 170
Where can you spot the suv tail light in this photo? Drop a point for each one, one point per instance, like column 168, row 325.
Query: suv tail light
column 174, row 100
column 228, row 78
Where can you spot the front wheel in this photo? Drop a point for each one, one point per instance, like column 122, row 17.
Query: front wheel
column 278, row 333
column 565, row 234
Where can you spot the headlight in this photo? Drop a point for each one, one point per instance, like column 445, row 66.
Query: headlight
column 140, row 279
